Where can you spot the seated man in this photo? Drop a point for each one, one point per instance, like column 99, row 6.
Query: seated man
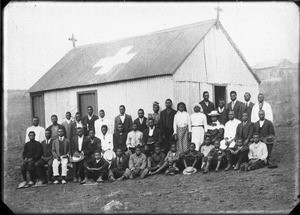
column 156, row 161
column 151, row 137
column 61, row 153
column 215, row 129
column 134, row 138
column 191, row 157
column 235, row 153
column 258, row 154
column 96, row 168
column 119, row 138
column 215, row 154
column 46, row 159
column 205, row 149
column 32, row 153
column 138, row 164
column 230, row 131
column 119, row 167
column 106, row 139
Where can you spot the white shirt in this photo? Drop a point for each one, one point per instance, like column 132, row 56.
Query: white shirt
column 268, row 112
column 258, row 151
column 61, row 138
column 230, row 128
column 141, row 120
column 39, row 133
column 233, row 103
column 221, row 109
column 90, row 117
column 122, row 118
column 134, row 138
column 261, row 123
column 151, row 130
column 106, row 141
column 98, row 124
column 206, row 149
column 199, row 119
column 79, row 124
column 182, row 119
column 68, row 121
column 80, row 140
column 219, row 125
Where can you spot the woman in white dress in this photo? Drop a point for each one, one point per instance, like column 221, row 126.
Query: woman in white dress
column 199, row 126
column 182, row 128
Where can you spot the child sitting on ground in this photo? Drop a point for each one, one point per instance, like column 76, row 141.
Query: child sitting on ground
column 191, row 157
column 215, row 154
column 205, row 149
column 156, row 161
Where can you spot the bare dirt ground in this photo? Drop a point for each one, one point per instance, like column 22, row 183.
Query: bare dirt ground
column 264, row 190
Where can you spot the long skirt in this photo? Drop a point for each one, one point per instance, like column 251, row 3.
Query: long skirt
column 182, row 142
column 197, row 136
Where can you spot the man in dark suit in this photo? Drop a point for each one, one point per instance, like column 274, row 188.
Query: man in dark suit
column 54, row 127
column 89, row 121
column 207, row 106
column 236, row 106
column 166, row 125
column 79, row 146
column 93, row 144
column 119, row 139
column 123, row 118
column 265, row 128
column 247, row 106
column 118, row 167
column 141, row 121
column 151, row 137
column 222, row 111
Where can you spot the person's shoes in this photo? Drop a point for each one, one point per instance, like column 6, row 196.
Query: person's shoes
column 242, row 167
column 237, row 167
column 31, row 183
column 22, row 184
column 131, row 176
column 56, row 182
column 39, row 184
column 63, row 181
column 121, row 178
column 144, row 173
column 203, row 165
column 228, row 168
column 205, row 171
column 99, row 180
column 216, row 170
column 50, row 181
column 75, row 180
column 111, row 179
column 83, row 182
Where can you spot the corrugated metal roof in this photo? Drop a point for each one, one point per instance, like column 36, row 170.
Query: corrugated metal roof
column 157, row 53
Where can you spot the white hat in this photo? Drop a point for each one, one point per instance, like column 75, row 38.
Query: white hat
column 213, row 113
column 109, row 155
column 189, row 170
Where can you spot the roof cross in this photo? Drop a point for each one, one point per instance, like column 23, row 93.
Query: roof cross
column 218, row 9
column 73, row 40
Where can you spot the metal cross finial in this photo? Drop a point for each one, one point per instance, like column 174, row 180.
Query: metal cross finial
column 218, row 9
column 73, row 40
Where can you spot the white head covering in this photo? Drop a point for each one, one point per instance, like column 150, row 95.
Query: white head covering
column 198, row 105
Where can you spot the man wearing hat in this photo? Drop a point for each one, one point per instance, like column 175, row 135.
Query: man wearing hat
column 215, row 129
column 265, row 129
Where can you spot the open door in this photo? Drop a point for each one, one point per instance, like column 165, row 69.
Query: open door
column 38, row 107
column 220, row 92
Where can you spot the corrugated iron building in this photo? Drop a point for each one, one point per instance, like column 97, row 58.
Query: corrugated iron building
column 179, row 63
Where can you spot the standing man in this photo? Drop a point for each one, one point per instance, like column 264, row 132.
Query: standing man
column 155, row 115
column 38, row 130
column 207, row 106
column 119, row 139
column 235, row 105
column 76, row 124
column 102, row 121
column 68, row 126
column 89, row 120
column 261, row 105
column 55, row 127
column 247, row 106
column 222, row 111
column 141, row 121
column 166, row 125
column 123, row 118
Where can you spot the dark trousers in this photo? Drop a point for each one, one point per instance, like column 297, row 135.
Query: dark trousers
column 42, row 171
column 116, row 173
column 79, row 169
column 150, row 151
column 240, row 157
column 189, row 162
column 95, row 174
column 257, row 164
column 269, row 147
column 167, row 141
column 28, row 166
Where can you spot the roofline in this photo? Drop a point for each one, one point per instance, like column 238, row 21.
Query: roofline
column 147, row 34
column 238, row 52
column 90, row 85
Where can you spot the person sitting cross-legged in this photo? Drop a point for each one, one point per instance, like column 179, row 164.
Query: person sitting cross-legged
column 156, row 161
column 32, row 153
column 119, row 167
column 138, row 164
column 234, row 153
column 205, row 149
column 258, row 154
column 215, row 154
column 191, row 157
column 95, row 168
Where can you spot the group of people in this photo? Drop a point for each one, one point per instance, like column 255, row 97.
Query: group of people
column 240, row 134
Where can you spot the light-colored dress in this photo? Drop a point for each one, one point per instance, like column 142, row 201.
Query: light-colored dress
column 199, row 126
column 182, row 126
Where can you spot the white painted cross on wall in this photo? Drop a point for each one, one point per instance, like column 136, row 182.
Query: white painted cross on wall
column 108, row 63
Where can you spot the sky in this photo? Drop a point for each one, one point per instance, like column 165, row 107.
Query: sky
column 36, row 33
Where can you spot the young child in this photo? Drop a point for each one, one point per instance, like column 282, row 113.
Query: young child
column 215, row 154
column 96, row 168
column 191, row 157
column 232, row 153
column 205, row 149
column 156, row 161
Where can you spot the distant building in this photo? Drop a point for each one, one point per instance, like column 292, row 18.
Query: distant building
column 178, row 63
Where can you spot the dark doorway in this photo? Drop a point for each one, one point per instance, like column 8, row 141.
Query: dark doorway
column 38, row 109
column 220, row 92
column 85, row 99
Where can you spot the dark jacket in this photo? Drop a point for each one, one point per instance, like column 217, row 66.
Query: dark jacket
column 248, row 109
column 127, row 125
column 65, row 149
column 238, row 112
column 114, row 164
column 156, row 137
column 207, row 109
column 91, row 163
column 244, row 131
column 265, row 130
column 223, row 117
column 33, row 149
column 47, row 148
column 74, row 129
column 166, row 123
column 92, row 147
column 143, row 126
column 59, row 126
column 119, row 141
column 89, row 124
column 84, row 148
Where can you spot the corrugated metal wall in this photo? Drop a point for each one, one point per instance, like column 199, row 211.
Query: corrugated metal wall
column 133, row 94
